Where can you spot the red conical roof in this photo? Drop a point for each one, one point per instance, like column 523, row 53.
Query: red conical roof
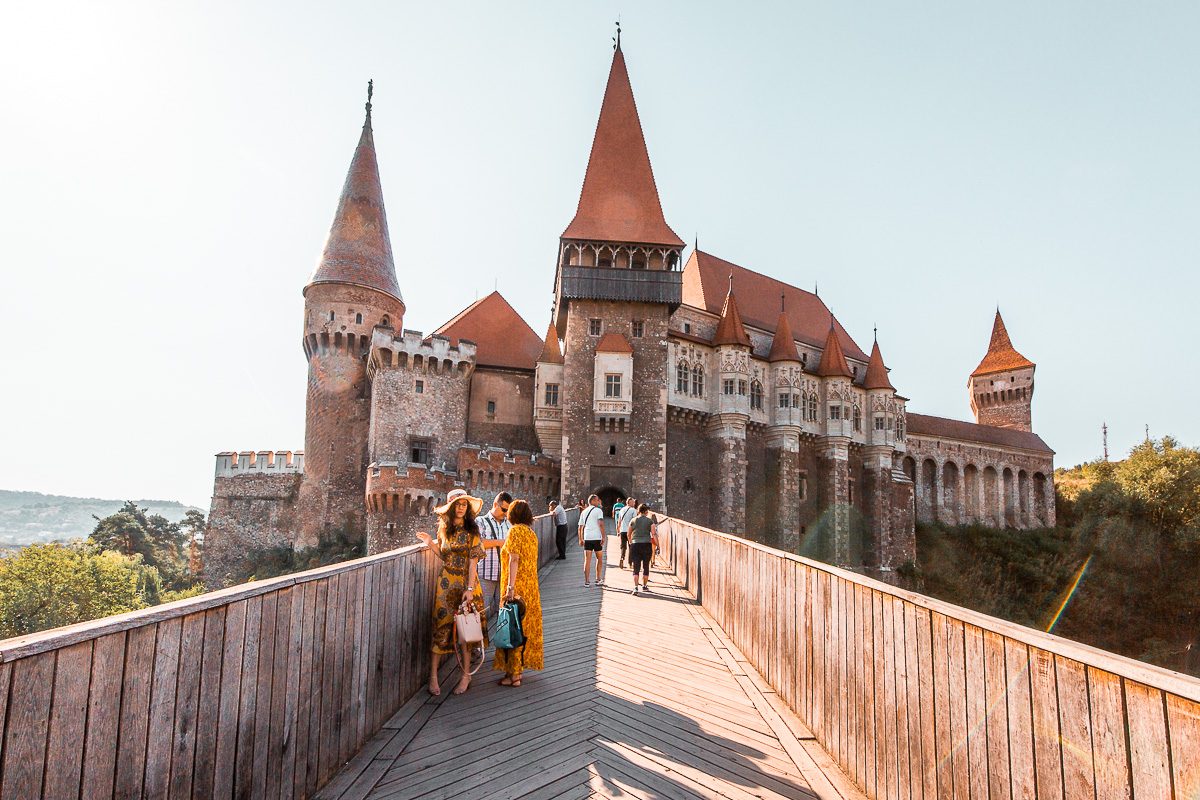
column 783, row 346
column 1001, row 355
column 877, row 374
column 501, row 336
column 833, row 360
column 550, row 352
column 358, row 250
column 730, row 329
column 619, row 201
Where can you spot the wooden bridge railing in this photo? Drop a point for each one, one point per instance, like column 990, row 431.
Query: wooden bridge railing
column 915, row 698
column 260, row 690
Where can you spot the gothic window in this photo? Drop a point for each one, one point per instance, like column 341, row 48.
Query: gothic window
column 742, row 388
column 784, row 400
column 835, row 413
column 857, row 419
column 880, row 423
column 756, row 396
column 812, row 407
column 419, row 451
column 594, row 327
column 551, row 394
column 796, row 402
column 681, row 378
column 698, row 381
column 358, row 319
column 612, row 385
column 728, row 386
column 639, row 327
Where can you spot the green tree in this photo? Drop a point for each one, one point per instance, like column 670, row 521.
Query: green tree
column 48, row 585
column 158, row 541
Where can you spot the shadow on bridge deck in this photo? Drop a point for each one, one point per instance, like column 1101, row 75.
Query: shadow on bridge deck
column 641, row 697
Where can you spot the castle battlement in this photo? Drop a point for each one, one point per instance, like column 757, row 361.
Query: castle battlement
column 414, row 350
column 500, row 455
column 232, row 463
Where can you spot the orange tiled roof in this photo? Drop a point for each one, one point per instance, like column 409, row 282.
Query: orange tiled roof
column 941, row 427
column 833, row 360
column 613, row 342
column 503, row 339
column 550, row 352
column 706, row 279
column 730, row 329
column 783, row 346
column 1001, row 355
column 877, row 374
column 358, row 250
column 619, row 200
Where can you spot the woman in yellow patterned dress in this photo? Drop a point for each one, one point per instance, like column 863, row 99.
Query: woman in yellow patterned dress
column 519, row 577
column 459, row 548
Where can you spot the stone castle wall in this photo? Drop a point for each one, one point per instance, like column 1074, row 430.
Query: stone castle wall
column 248, row 512
column 510, row 425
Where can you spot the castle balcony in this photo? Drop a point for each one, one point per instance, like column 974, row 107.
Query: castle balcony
column 613, row 409
column 606, row 283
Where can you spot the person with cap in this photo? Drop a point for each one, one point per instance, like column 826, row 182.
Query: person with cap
column 459, row 548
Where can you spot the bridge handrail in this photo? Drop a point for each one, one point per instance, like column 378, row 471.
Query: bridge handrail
column 907, row 691
column 197, row 698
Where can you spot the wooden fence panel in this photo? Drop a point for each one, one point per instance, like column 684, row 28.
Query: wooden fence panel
column 916, row 698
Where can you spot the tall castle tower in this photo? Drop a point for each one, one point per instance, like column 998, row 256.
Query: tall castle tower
column 618, row 281
column 1001, row 386
column 353, row 290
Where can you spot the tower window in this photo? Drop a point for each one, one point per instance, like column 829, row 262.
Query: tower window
column 835, row 412
column 784, row 400
column 358, row 319
column 594, row 327
column 742, row 388
column 491, row 407
column 687, row 327
column 727, row 386
column 756, row 396
column 420, row 387
column 612, row 385
column 331, row 316
column 551, row 394
column 682, row 377
column 419, row 451
column 803, row 486
column 880, row 423
column 698, row 381
column 612, row 449
column 639, row 328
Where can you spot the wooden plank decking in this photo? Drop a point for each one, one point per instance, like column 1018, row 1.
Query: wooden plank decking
column 641, row 697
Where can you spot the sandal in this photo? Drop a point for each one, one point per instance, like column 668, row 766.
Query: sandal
column 460, row 689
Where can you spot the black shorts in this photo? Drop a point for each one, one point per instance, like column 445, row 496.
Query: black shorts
column 593, row 544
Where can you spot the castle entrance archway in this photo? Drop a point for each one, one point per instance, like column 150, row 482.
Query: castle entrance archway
column 610, row 483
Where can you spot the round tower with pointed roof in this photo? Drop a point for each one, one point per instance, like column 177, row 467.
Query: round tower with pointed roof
column 353, row 290
column 1001, row 387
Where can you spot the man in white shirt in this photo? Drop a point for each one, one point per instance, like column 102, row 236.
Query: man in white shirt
column 623, row 520
column 493, row 530
column 591, row 539
column 560, row 528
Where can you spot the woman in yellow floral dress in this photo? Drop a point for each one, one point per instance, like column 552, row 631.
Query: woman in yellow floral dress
column 459, row 549
column 519, row 577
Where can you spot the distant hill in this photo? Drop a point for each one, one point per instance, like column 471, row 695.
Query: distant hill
column 32, row 517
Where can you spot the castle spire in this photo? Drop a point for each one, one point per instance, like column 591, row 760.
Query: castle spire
column 783, row 346
column 551, row 354
column 730, row 329
column 833, row 358
column 877, row 374
column 619, row 201
column 358, row 250
column 1001, row 355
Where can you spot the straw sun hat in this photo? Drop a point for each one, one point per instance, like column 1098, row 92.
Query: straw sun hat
column 456, row 495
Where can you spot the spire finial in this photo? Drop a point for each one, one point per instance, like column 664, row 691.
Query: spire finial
column 875, row 330
column 617, row 38
column 782, row 302
column 731, row 281
column 816, row 289
column 370, row 94
column 696, row 245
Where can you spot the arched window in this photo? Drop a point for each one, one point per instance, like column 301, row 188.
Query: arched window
column 681, row 377
column 812, row 407
column 698, row 381
column 857, row 419
column 756, row 396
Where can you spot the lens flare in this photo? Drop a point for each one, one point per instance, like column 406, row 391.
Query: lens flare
column 1068, row 595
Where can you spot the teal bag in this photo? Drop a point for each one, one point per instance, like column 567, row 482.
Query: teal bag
column 508, row 634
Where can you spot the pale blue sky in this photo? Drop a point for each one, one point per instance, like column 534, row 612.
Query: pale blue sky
column 168, row 172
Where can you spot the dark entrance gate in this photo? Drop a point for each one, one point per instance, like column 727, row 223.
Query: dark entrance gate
column 610, row 483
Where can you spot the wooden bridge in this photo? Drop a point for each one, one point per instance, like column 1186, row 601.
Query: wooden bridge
column 746, row 673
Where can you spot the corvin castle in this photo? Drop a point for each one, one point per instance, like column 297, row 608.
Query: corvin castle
column 712, row 392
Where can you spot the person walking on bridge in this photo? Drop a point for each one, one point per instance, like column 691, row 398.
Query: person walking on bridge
column 643, row 538
column 623, row 518
column 493, row 530
column 519, row 577
column 591, row 539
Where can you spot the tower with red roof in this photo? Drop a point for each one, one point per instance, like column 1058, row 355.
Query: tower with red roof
column 1001, row 387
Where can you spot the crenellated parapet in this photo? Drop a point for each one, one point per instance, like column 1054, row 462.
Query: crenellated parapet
column 533, row 476
column 416, row 352
column 233, row 463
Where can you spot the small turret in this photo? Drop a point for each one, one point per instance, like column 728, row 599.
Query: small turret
column 833, row 358
column 547, row 395
column 1001, row 387
column 733, row 358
